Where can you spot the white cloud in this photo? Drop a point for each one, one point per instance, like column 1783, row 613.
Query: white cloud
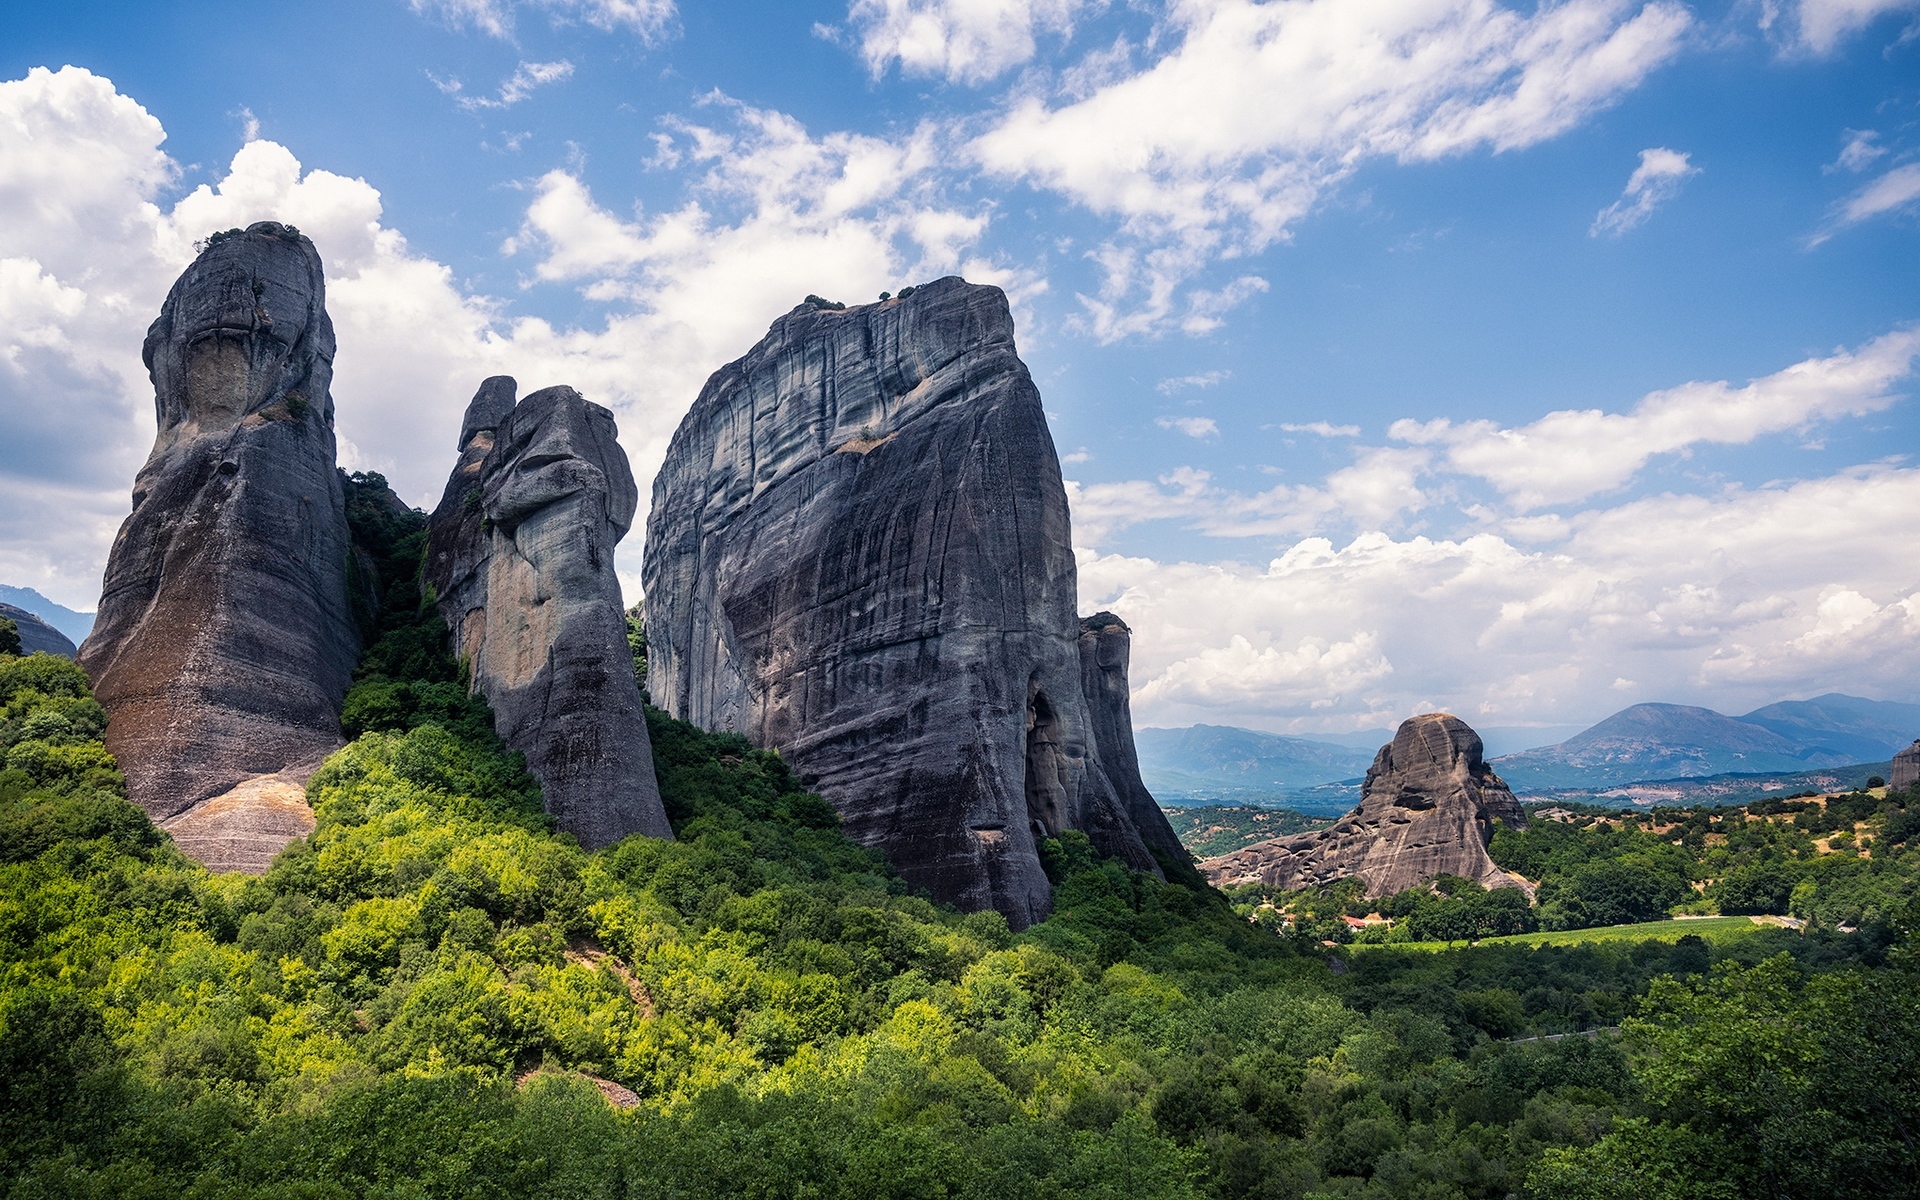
column 1733, row 601
column 964, row 41
column 1206, row 379
column 1193, row 427
column 525, row 79
column 1325, row 429
column 1896, row 191
column 648, row 19
column 1231, row 136
column 1570, row 455
column 1654, row 182
column 776, row 215
column 88, row 250
column 1381, row 484
column 1859, row 152
column 1821, row 25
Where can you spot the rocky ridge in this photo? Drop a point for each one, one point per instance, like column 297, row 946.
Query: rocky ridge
column 225, row 637
column 1427, row 808
column 36, row 636
column 520, row 555
column 859, row 554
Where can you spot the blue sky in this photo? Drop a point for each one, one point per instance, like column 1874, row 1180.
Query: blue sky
column 1522, row 360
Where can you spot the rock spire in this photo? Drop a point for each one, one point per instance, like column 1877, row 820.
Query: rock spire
column 858, row 554
column 1427, row 808
column 520, row 555
column 225, row 638
column 1906, row 768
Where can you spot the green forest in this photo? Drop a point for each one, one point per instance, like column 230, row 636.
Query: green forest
column 436, row 995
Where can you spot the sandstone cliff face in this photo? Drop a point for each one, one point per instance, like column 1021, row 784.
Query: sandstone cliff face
column 36, row 636
column 1906, row 768
column 1427, row 808
column 520, row 555
column 225, row 638
column 858, row 554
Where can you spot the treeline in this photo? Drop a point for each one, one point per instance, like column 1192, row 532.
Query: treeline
column 435, row 995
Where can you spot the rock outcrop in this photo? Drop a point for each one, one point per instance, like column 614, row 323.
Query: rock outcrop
column 36, row 636
column 520, row 556
column 858, row 554
column 1906, row 768
column 225, row 638
column 1427, row 808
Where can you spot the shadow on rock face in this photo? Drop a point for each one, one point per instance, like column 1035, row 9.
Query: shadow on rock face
column 225, row 638
column 1427, row 808
column 520, row 555
column 859, row 554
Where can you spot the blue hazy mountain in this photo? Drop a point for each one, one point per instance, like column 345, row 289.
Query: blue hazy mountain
column 1861, row 730
column 1220, row 762
column 76, row 625
column 1650, row 742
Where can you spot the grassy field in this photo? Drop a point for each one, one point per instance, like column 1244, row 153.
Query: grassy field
column 1712, row 928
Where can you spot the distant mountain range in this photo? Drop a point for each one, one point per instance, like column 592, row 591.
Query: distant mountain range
column 76, row 625
column 1647, row 743
column 1650, row 742
column 1209, row 764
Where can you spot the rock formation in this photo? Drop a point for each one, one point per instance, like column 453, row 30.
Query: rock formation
column 225, row 637
column 1906, row 768
column 36, row 636
column 520, row 555
column 1427, row 808
column 858, row 554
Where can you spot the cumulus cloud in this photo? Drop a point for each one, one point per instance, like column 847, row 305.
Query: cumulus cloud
column 1381, row 484
column 964, row 41
column 524, row 81
column 1728, row 600
column 89, row 245
column 776, row 214
column 1819, row 26
column 1570, row 455
column 1654, row 182
column 1229, row 137
column 1193, row 427
column 648, row 19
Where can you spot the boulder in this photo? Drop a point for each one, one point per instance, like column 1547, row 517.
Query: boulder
column 225, row 638
column 858, row 554
column 1906, row 768
column 520, row 556
column 1427, row 808
column 36, row 636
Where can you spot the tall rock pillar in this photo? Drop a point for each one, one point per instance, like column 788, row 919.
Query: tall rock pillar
column 859, row 555
column 520, row 556
column 225, row 639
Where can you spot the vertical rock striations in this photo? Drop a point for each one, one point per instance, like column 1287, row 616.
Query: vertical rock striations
column 858, row 554
column 225, row 638
column 1427, row 808
column 520, row 556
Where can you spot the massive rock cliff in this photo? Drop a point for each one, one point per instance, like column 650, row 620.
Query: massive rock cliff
column 858, row 555
column 1427, row 808
column 225, row 637
column 520, row 556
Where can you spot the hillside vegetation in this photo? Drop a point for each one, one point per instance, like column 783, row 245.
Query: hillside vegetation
column 435, row 995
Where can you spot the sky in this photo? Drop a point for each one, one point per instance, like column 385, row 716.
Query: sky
column 1524, row 361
